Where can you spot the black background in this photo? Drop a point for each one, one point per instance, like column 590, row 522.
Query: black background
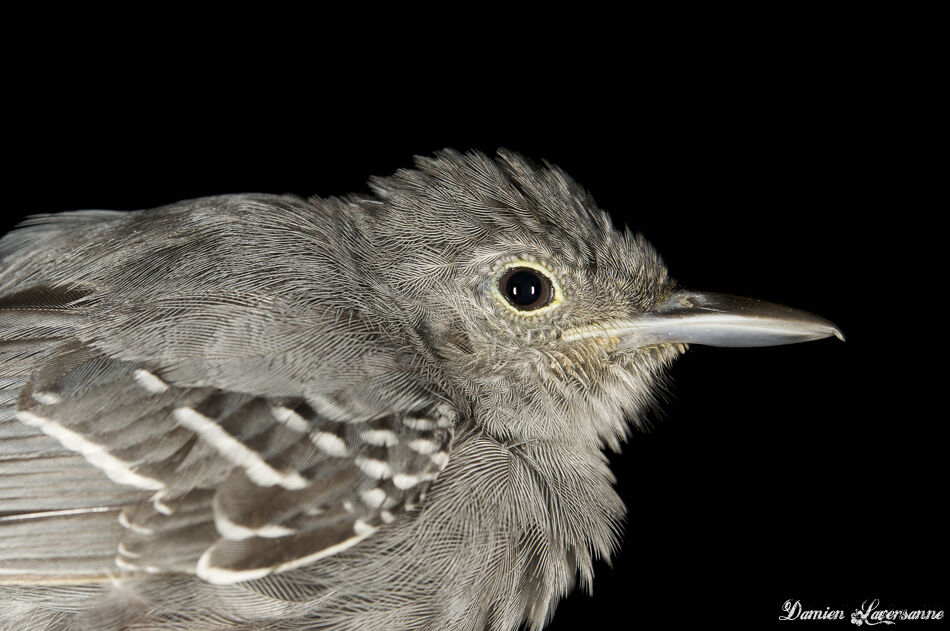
column 786, row 157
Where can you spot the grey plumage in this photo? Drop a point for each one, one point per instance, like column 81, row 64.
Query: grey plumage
column 266, row 412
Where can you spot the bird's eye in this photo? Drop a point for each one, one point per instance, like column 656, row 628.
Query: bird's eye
column 526, row 289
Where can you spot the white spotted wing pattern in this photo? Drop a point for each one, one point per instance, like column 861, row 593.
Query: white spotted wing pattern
column 229, row 485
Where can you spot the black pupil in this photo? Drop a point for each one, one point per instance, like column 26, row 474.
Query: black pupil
column 523, row 288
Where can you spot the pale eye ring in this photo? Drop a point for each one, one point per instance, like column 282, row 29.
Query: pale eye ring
column 526, row 288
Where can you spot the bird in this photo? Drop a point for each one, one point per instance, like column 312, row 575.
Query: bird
column 381, row 411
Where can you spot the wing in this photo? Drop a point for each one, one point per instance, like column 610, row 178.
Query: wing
column 247, row 440
column 106, row 464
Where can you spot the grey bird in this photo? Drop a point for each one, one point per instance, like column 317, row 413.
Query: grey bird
column 377, row 412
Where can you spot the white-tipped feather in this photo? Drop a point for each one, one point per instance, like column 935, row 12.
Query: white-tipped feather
column 150, row 381
column 423, row 446
column 373, row 498
column 374, row 468
column 379, row 437
column 252, row 463
column 290, row 418
column 206, row 570
column 330, row 443
column 47, row 398
column 236, row 532
column 405, row 480
column 95, row 454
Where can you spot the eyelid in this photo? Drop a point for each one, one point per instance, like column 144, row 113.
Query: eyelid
column 557, row 293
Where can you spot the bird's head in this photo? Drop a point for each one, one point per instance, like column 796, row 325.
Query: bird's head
column 537, row 307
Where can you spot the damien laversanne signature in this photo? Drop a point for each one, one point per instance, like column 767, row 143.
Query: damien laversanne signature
column 868, row 613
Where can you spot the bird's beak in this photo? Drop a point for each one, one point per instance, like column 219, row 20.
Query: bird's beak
column 695, row 317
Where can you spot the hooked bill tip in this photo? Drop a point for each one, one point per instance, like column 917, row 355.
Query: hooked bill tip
column 713, row 319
